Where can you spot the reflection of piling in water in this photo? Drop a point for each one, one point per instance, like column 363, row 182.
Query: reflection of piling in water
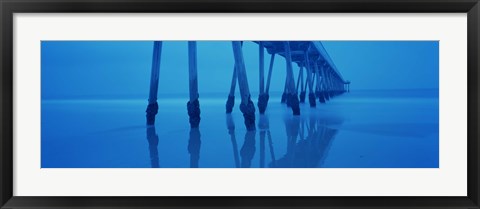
column 233, row 139
column 272, row 152
column 291, row 127
column 152, row 139
column 263, row 126
column 247, row 152
column 248, row 149
column 262, row 149
column 194, row 143
column 324, row 145
column 311, row 149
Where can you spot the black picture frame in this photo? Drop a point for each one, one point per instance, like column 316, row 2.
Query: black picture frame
column 9, row 7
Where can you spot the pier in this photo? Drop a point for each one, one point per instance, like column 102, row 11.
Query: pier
column 318, row 76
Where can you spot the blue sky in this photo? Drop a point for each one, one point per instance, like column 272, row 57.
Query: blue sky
column 120, row 69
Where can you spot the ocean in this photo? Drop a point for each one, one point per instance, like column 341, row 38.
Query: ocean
column 358, row 129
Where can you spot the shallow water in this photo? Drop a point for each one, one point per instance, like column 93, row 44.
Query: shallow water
column 362, row 129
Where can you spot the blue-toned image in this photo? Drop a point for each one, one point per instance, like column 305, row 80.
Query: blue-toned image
column 239, row 104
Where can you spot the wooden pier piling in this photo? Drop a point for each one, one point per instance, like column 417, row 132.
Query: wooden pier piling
column 263, row 96
column 193, row 104
column 246, row 106
column 152, row 108
column 292, row 95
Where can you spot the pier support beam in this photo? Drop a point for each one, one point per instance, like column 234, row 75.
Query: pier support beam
column 336, row 88
column 269, row 77
column 338, row 85
column 332, row 83
column 333, row 80
column 193, row 104
column 152, row 108
column 261, row 67
column 284, row 94
column 317, row 86
column 231, row 95
column 311, row 94
column 320, row 84
column 263, row 96
column 292, row 95
column 327, row 82
column 302, row 86
column 246, row 106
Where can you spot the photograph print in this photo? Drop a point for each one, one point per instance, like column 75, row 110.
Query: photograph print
column 239, row 104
